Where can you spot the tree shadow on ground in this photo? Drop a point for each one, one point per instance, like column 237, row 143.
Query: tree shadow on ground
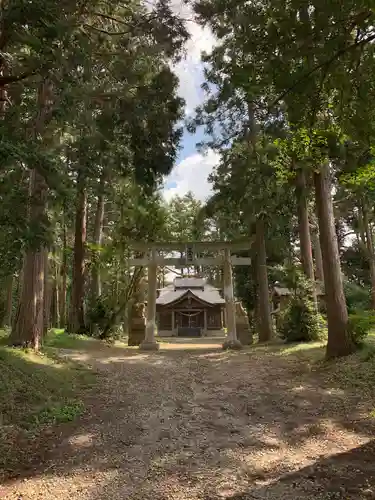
column 36, row 390
column 343, row 475
column 198, row 419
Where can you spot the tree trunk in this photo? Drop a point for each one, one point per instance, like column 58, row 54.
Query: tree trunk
column 304, row 229
column 319, row 274
column 9, row 301
column 96, row 288
column 27, row 330
column 265, row 322
column 63, row 274
column 339, row 343
column 370, row 252
column 47, row 294
column 55, row 301
column 55, row 313
column 76, row 322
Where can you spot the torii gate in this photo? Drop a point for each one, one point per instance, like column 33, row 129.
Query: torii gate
column 190, row 249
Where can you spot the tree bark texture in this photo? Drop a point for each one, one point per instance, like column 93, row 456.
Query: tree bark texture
column 27, row 329
column 265, row 322
column 55, row 296
column 55, row 313
column 304, row 229
column 319, row 273
column 9, row 301
column 47, row 293
column 339, row 343
column 96, row 288
column 76, row 310
column 63, row 274
column 370, row 251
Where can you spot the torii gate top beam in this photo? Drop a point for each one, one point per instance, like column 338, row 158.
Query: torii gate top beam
column 196, row 245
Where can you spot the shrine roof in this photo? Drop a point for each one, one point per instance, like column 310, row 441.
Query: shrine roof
column 189, row 282
column 196, row 286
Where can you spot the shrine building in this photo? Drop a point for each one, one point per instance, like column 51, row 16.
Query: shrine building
column 190, row 307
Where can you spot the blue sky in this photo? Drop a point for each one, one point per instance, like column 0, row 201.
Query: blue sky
column 192, row 168
column 188, row 149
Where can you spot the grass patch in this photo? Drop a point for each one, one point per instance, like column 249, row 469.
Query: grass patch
column 355, row 373
column 58, row 338
column 308, row 350
column 37, row 390
column 40, row 389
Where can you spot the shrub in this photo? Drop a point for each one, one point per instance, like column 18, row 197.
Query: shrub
column 360, row 325
column 98, row 316
column 357, row 297
column 300, row 322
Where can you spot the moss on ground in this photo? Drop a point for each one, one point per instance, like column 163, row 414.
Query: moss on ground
column 39, row 389
column 352, row 373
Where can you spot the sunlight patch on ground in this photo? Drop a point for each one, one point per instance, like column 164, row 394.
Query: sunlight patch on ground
column 297, row 348
column 131, row 359
column 189, row 346
column 81, row 440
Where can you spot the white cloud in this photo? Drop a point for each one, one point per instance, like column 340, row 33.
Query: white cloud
column 191, row 175
column 192, row 172
column 190, row 69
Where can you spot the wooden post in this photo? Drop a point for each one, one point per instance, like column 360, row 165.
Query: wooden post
column 173, row 323
column 149, row 343
column 205, row 331
column 231, row 341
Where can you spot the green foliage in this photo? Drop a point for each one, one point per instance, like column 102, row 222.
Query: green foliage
column 60, row 413
column 124, row 122
column 300, row 321
column 360, row 325
column 246, row 287
column 355, row 264
column 98, row 315
column 357, row 297
column 59, row 338
column 183, row 218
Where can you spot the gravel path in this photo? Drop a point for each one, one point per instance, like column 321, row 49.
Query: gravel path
column 192, row 422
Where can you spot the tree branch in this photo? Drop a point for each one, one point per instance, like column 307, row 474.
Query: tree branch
column 110, row 33
column 326, row 64
column 6, row 79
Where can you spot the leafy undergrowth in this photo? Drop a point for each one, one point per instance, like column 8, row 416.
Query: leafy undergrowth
column 59, row 338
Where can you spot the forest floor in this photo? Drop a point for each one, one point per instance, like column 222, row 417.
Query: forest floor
column 194, row 422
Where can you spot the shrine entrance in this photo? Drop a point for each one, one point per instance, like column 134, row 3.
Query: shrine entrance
column 189, row 323
column 193, row 254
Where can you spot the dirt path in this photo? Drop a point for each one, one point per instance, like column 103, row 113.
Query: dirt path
column 193, row 422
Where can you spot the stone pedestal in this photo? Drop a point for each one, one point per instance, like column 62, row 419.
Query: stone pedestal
column 232, row 344
column 137, row 324
column 149, row 346
column 244, row 333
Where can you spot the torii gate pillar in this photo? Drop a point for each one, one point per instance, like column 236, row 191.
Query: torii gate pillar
column 231, row 341
column 149, row 343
